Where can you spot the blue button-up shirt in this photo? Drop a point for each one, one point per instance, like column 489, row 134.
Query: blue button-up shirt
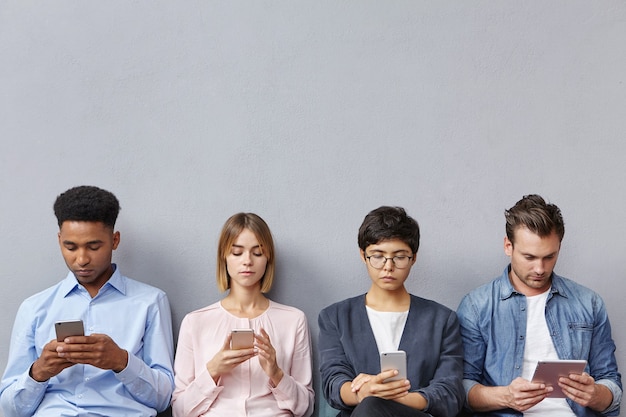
column 493, row 328
column 135, row 315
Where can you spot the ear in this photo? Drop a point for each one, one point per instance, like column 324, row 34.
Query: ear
column 116, row 240
column 363, row 256
column 414, row 259
column 508, row 247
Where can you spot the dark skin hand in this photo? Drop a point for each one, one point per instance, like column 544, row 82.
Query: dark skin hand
column 98, row 350
column 49, row 363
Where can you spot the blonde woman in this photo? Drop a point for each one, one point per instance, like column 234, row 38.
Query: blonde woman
column 270, row 378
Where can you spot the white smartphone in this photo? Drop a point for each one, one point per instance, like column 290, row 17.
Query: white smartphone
column 242, row 339
column 549, row 372
column 394, row 360
column 68, row 328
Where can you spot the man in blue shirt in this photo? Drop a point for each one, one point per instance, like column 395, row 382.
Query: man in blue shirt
column 123, row 364
column 530, row 314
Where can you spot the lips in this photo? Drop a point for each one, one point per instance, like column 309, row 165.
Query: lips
column 84, row 272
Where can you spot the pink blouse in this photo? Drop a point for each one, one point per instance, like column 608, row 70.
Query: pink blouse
column 247, row 390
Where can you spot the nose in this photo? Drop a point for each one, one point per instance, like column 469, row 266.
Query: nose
column 388, row 265
column 82, row 258
column 540, row 268
column 247, row 258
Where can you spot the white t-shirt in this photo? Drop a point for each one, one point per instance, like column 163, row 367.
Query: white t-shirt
column 387, row 327
column 538, row 347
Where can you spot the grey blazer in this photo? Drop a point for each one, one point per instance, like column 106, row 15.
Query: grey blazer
column 431, row 339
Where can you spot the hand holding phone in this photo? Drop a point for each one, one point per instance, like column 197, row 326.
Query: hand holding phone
column 242, row 339
column 394, row 360
column 68, row 328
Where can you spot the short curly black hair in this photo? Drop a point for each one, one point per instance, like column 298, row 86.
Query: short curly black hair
column 87, row 203
column 387, row 223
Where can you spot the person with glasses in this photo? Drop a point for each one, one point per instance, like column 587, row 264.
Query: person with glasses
column 354, row 332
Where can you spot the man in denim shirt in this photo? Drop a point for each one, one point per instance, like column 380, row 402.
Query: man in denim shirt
column 530, row 314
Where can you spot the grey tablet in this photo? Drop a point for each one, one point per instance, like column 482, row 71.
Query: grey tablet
column 549, row 372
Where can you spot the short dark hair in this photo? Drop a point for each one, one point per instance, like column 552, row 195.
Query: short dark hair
column 387, row 223
column 87, row 203
column 536, row 215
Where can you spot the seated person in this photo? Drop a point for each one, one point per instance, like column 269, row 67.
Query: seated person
column 123, row 366
column 355, row 331
column 272, row 377
column 529, row 314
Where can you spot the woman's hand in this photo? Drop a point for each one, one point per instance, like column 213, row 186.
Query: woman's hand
column 267, row 357
column 227, row 359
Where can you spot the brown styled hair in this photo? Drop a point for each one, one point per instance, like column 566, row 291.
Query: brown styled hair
column 536, row 215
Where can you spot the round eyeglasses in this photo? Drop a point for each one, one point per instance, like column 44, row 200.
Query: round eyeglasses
column 379, row 261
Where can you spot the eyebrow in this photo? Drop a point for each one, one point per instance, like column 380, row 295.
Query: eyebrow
column 394, row 252
column 93, row 242
column 537, row 256
column 243, row 247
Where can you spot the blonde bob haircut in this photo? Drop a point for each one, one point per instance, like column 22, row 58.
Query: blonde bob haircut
column 232, row 228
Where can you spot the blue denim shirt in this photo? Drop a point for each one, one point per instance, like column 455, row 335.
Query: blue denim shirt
column 493, row 328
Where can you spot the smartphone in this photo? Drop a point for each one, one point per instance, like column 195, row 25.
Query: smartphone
column 242, row 339
column 68, row 328
column 394, row 360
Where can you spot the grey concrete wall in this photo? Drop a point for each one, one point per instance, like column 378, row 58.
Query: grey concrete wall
column 311, row 114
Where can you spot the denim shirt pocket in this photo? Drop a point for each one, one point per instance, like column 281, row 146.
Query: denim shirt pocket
column 580, row 338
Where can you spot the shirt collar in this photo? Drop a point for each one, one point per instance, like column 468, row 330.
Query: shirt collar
column 70, row 284
column 558, row 286
column 507, row 290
